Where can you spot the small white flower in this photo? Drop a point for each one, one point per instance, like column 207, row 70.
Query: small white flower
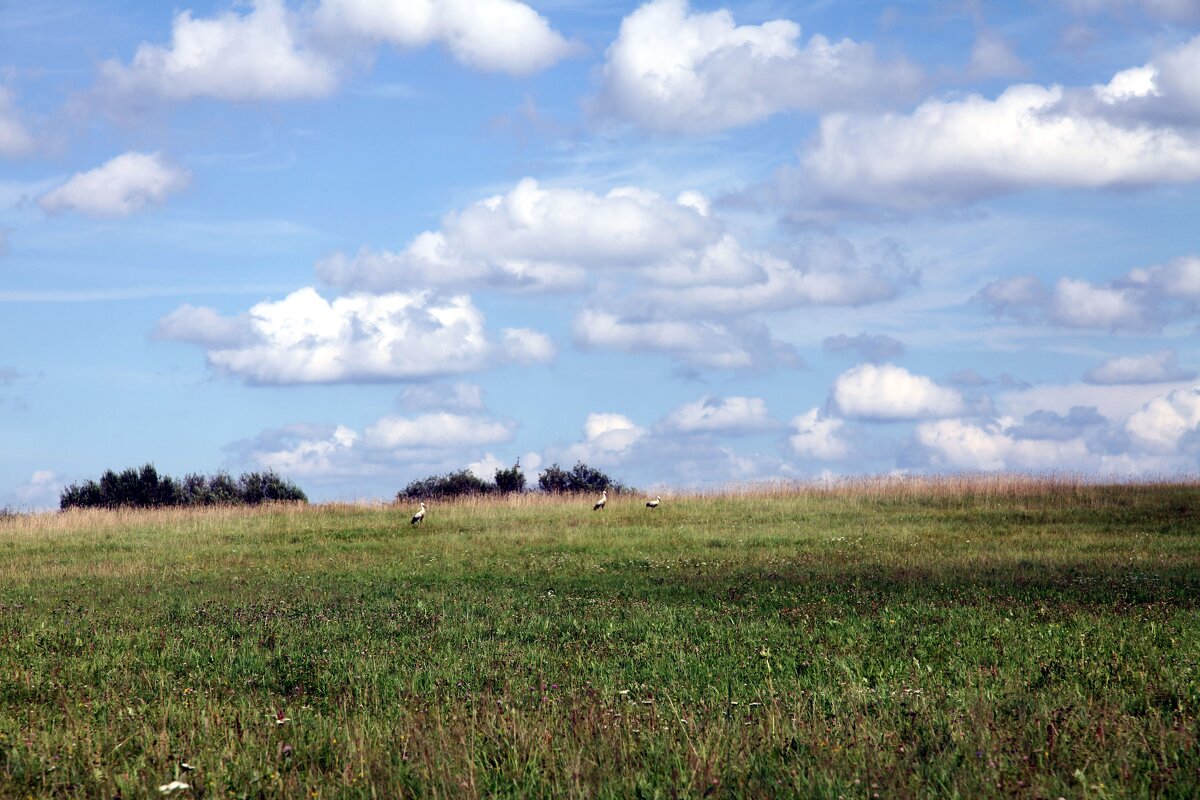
column 174, row 787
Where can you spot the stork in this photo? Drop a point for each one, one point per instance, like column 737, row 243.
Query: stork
column 600, row 503
column 420, row 515
column 653, row 503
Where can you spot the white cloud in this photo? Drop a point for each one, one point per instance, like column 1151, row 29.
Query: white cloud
column 536, row 238
column 714, row 345
column 828, row 271
column 888, row 392
column 1115, row 401
column 816, row 436
column 485, row 468
column 490, row 35
column 204, row 326
column 960, row 445
column 526, row 346
column 693, row 274
column 695, row 286
column 338, row 455
column 41, row 491
column 728, row 415
column 608, row 439
column 15, row 139
column 232, row 56
column 305, row 338
column 1079, row 304
column 959, row 150
column 119, row 187
column 304, row 451
column 1143, row 298
column 674, row 70
column 1159, row 367
column 440, row 430
column 1163, row 422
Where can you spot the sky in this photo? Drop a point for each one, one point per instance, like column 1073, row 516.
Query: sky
column 360, row 242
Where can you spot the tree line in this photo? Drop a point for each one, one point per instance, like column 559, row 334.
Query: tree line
column 554, row 479
column 144, row 488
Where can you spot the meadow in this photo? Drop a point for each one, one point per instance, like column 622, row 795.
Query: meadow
column 942, row 638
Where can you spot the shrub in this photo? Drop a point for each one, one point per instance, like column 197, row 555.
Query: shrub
column 454, row 484
column 511, row 480
column 145, row 488
column 580, row 478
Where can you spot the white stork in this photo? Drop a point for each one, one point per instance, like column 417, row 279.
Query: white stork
column 420, row 515
column 600, row 503
column 653, row 503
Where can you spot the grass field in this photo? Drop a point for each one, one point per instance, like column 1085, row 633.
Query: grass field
column 1000, row 637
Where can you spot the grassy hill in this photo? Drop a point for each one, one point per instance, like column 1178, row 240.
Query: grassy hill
column 1002, row 637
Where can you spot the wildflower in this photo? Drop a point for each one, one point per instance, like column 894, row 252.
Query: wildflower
column 174, row 787
column 280, row 718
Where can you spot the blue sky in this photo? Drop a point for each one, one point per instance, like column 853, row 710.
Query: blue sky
column 360, row 242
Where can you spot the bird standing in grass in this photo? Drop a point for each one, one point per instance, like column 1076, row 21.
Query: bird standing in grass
column 653, row 503
column 600, row 503
column 420, row 515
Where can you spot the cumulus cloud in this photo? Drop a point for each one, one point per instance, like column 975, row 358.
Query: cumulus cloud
column 1140, row 128
column 824, row 271
column 305, row 338
column 1160, row 436
column 734, row 345
column 660, row 455
column 537, row 238
column 438, row 430
column 675, row 70
column 1143, row 298
column 119, row 187
column 865, row 346
column 203, row 326
column 1160, row 367
column 303, row 450
column 729, row 415
column 608, row 438
column 887, row 392
column 271, row 52
column 960, row 150
column 489, row 35
column 817, row 436
column 526, row 346
column 485, row 468
column 41, row 491
column 960, row 445
column 1161, row 424
column 258, row 55
column 695, row 281
column 336, row 454
column 15, row 139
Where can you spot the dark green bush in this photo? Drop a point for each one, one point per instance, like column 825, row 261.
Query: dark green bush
column 454, row 484
column 145, row 488
column 511, row 480
column 580, row 478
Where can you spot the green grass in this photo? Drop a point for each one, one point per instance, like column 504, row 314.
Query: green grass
column 998, row 639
